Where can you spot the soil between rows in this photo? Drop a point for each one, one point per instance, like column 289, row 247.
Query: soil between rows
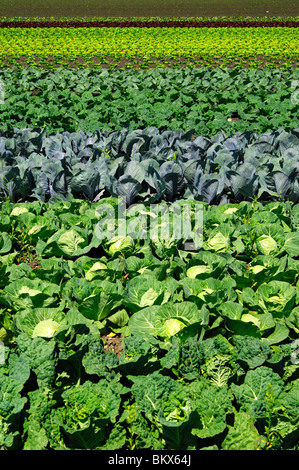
column 148, row 24
column 140, row 63
column 144, row 8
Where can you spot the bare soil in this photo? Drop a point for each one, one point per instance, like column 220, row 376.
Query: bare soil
column 113, row 343
column 145, row 8
column 192, row 23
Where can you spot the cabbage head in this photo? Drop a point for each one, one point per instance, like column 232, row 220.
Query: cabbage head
column 46, row 329
column 266, row 245
column 218, row 242
column 119, row 245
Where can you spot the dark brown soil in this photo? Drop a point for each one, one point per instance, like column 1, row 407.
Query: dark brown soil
column 148, row 24
column 113, row 343
column 33, row 264
column 145, row 8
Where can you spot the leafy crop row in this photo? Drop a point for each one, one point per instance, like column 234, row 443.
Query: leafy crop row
column 206, row 100
column 199, row 46
column 145, row 165
column 209, row 358
column 152, row 19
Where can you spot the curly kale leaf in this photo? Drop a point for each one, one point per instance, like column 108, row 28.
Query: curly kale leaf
column 97, row 361
column 251, row 395
column 190, row 359
column 88, row 412
column 40, row 430
column 243, row 435
column 251, row 351
column 42, row 357
column 212, row 405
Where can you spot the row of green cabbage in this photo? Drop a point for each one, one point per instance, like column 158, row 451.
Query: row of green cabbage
column 208, row 323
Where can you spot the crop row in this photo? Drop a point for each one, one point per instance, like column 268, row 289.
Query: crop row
column 154, row 19
column 84, row 47
column 206, row 100
column 145, row 165
column 206, row 356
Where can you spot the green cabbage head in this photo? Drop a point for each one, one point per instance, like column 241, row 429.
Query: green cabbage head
column 120, row 245
column 46, row 329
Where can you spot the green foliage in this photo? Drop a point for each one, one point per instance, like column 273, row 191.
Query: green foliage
column 203, row 99
column 208, row 336
column 152, row 45
column 222, row 169
column 243, row 435
column 149, row 276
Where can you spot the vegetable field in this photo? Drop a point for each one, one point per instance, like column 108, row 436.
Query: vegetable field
column 149, row 229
